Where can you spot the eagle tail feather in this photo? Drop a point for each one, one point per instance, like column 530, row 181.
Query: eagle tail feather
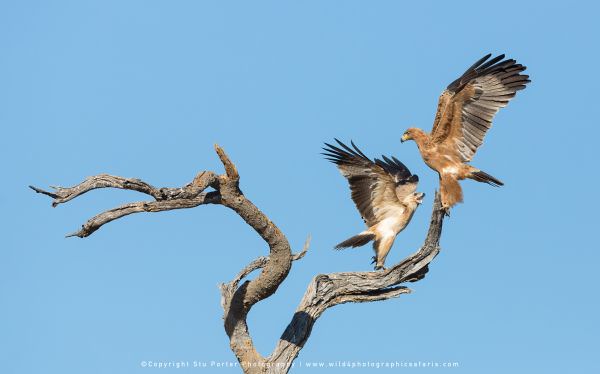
column 482, row 176
column 356, row 241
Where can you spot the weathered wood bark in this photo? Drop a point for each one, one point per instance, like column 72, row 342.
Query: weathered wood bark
column 323, row 292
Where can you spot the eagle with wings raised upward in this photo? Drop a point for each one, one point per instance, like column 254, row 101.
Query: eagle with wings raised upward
column 383, row 192
column 464, row 114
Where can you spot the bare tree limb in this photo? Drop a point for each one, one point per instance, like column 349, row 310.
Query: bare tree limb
column 99, row 220
column 64, row 194
column 237, row 301
column 188, row 196
column 323, row 292
column 302, row 253
column 230, row 169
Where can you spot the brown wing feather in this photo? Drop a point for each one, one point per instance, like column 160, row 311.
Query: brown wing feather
column 373, row 184
column 467, row 107
column 440, row 129
column 405, row 183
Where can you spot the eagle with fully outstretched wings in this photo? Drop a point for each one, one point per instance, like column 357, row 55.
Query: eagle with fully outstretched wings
column 383, row 192
column 464, row 115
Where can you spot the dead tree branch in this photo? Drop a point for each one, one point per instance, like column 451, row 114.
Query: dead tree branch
column 323, row 292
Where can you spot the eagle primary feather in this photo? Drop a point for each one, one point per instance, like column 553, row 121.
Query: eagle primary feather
column 464, row 115
column 383, row 192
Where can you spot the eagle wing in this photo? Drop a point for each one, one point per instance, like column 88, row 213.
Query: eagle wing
column 468, row 105
column 375, row 186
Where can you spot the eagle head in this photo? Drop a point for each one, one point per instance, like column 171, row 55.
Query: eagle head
column 408, row 135
column 415, row 198
column 419, row 197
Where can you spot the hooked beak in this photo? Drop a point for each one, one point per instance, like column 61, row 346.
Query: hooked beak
column 421, row 197
column 404, row 138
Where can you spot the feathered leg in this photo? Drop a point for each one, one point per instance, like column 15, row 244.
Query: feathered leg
column 382, row 248
column 450, row 191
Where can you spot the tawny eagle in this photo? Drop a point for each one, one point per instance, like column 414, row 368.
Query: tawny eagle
column 383, row 192
column 464, row 114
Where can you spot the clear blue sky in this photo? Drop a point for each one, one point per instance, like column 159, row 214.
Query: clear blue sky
column 144, row 88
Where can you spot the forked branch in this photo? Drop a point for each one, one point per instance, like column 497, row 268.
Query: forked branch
column 323, row 292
